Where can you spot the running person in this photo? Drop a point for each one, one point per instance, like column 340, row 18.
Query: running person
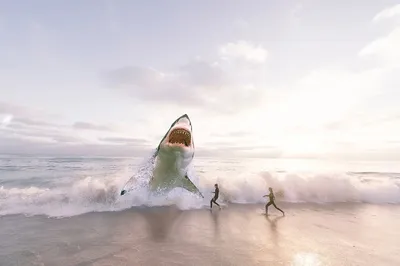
column 214, row 199
column 271, row 201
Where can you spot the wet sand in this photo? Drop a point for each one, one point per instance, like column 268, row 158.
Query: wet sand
column 339, row 234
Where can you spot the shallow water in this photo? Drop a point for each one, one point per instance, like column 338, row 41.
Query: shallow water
column 68, row 211
column 309, row 234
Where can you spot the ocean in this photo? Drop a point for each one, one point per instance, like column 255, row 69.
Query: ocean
column 68, row 211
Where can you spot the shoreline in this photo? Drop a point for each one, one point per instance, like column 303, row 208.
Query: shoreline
column 239, row 234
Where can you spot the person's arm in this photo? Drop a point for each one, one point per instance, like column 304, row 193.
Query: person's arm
column 266, row 195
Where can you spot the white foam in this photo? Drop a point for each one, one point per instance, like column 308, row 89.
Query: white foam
column 91, row 194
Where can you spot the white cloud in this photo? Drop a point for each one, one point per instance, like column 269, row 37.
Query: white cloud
column 33, row 146
column 385, row 49
column 243, row 51
column 124, row 140
column 5, row 120
column 328, row 110
column 90, row 126
column 328, row 106
column 222, row 87
column 26, row 112
column 183, row 87
column 387, row 13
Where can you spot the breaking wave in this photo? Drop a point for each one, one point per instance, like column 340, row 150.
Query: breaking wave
column 97, row 194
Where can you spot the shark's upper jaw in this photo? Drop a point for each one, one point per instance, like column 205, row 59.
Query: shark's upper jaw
column 179, row 136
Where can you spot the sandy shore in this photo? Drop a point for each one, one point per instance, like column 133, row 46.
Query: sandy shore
column 339, row 234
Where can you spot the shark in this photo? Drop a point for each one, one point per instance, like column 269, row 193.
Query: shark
column 173, row 157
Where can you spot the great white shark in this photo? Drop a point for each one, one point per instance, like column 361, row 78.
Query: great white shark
column 173, row 158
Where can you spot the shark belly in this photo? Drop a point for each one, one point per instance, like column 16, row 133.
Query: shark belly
column 169, row 171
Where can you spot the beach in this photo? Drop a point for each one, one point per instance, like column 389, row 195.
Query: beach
column 122, row 121
column 309, row 234
column 68, row 211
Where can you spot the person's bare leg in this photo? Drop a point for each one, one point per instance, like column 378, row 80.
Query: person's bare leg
column 266, row 207
column 278, row 208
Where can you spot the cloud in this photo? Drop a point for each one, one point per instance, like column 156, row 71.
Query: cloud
column 26, row 127
column 121, row 140
column 150, row 85
column 39, row 134
column 7, row 108
column 90, row 126
column 238, row 134
column 11, row 145
column 33, row 122
column 324, row 96
column 219, row 86
column 29, row 124
column 5, row 120
column 28, row 117
column 16, row 110
column 243, row 51
column 231, row 150
column 387, row 13
column 137, row 147
column 385, row 49
column 203, row 74
column 336, row 99
column 32, row 136
column 142, row 78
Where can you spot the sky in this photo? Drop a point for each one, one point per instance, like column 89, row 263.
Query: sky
column 270, row 79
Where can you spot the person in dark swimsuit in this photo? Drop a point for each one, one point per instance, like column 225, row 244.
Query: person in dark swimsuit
column 271, row 201
column 214, row 199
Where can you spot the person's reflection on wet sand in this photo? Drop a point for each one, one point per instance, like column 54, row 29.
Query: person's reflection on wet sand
column 274, row 231
column 215, row 218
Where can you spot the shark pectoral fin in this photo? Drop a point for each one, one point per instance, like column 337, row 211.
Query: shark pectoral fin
column 188, row 185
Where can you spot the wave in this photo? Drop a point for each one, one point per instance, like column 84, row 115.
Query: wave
column 92, row 194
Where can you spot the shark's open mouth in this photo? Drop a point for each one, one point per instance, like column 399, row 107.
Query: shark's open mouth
column 180, row 136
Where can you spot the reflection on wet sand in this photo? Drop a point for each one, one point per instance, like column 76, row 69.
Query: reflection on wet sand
column 215, row 218
column 273, row 225
column 235, row 236
column 273, row 222
column 160, row 221
column 274, row 236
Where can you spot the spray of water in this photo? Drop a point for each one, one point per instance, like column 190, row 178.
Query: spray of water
column 92, row 194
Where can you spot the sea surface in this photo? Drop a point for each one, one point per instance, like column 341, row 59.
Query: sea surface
column 68, row 211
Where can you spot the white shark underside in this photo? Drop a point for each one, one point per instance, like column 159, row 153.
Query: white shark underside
column 173, row 157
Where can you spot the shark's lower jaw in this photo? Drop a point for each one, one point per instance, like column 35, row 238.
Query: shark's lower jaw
column 179, row 137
